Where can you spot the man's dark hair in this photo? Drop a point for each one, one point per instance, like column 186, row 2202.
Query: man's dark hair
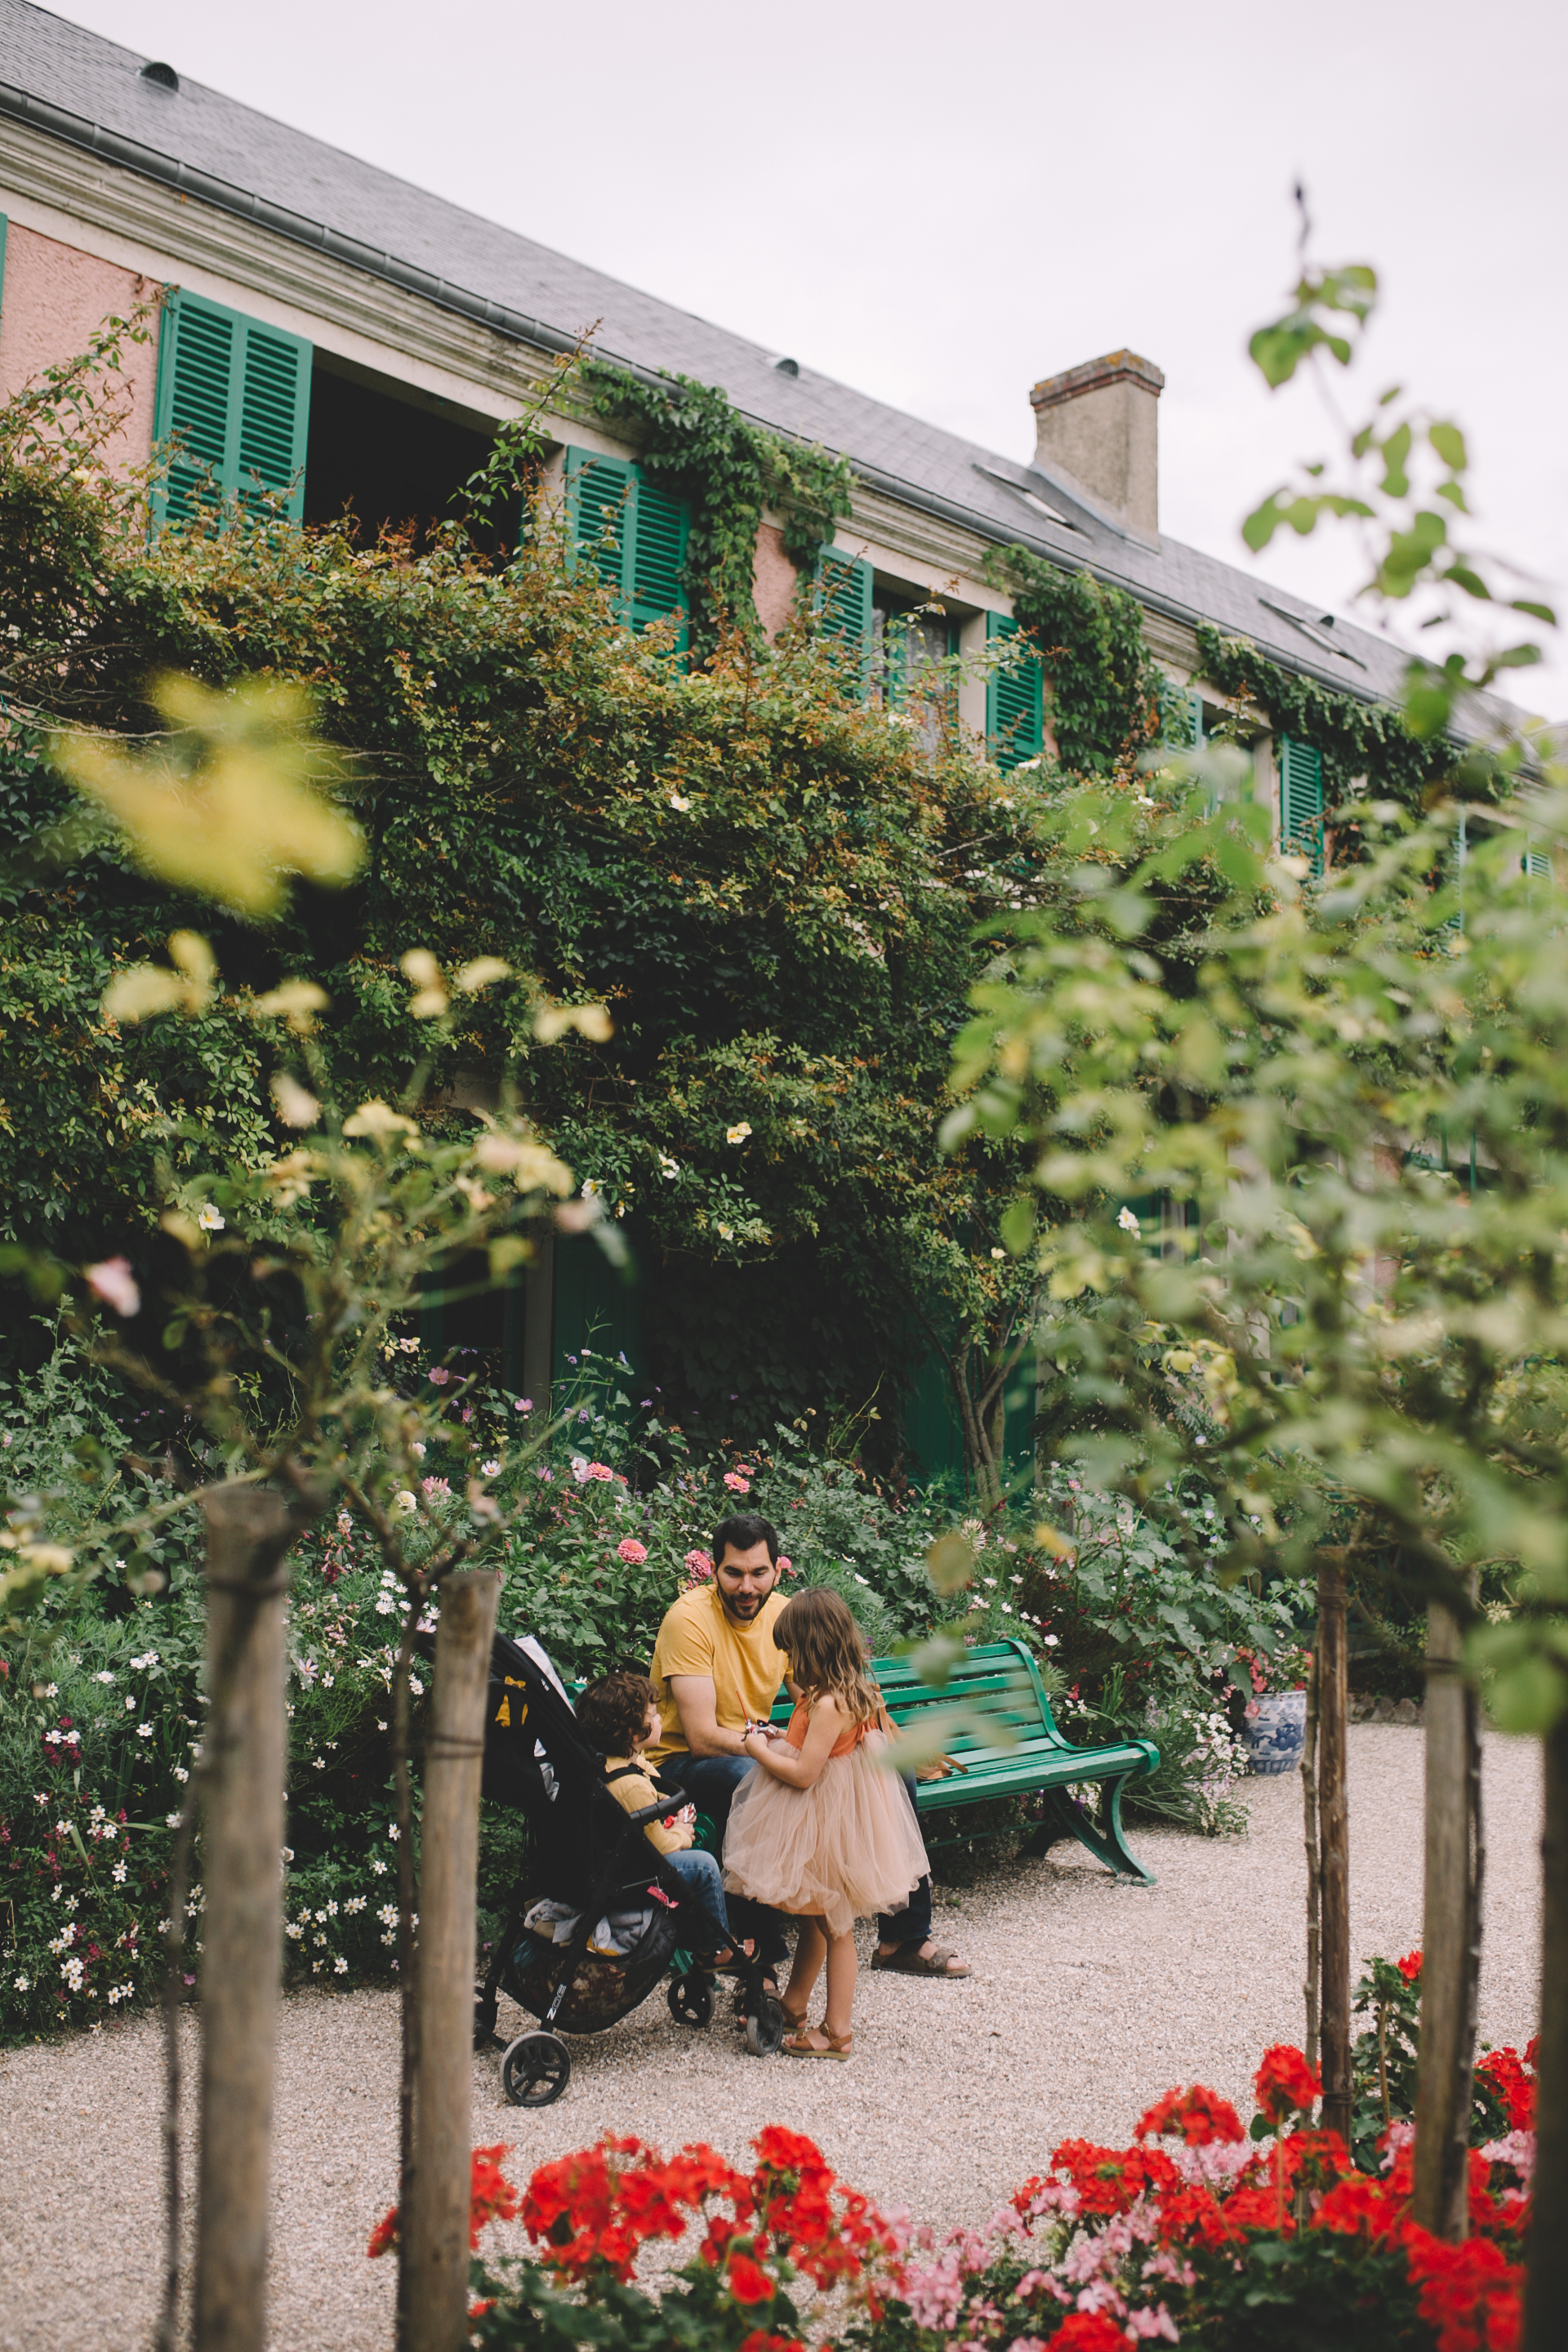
column 613, row 1711
column 742, row 1533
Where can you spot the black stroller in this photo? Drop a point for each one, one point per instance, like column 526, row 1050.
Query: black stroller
column 599, row 1920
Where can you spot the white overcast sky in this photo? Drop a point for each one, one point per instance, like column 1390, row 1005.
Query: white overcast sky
column 941, row 204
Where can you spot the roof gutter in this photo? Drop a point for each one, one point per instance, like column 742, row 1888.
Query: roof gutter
column 517, row 326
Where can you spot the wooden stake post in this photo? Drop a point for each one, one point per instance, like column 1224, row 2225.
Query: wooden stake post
column 1450, row 1944
column 1333, row 1841
column 250, row 1531
column 435, row 2238
column 1546, row 2288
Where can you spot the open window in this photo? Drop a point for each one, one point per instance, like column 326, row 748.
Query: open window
column 389, row 456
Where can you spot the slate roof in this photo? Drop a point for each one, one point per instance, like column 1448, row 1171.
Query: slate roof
column 91, row 91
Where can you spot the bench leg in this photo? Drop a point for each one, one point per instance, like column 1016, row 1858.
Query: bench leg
column 1062, row 1819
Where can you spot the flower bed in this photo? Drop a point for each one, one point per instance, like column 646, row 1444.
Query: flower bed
column 1196, row 2232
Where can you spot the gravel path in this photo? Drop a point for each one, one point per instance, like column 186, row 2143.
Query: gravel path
column 1088, row 2000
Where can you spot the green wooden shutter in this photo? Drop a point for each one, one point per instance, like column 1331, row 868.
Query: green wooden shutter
column 1537, row 863
column 1015, row 701
column 1181, row 718
column 634, row 533
column 844, row 610
column 660, row 524
column 1301, row 801
column 234, row 403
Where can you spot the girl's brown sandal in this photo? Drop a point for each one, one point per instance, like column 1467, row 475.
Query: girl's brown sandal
column 834, row 2046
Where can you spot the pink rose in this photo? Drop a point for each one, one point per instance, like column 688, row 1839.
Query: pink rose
column 113, row 1282
column 737, row 1485
column 631, row 1551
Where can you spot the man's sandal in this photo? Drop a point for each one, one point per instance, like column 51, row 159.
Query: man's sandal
column 907, row 1962
column 802, row 2045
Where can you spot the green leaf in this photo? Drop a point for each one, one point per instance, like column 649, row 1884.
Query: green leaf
column 1449, row 443
column 1018, row 1227
column 1528, row 1697
column 1396, row 451
column 1262, row 523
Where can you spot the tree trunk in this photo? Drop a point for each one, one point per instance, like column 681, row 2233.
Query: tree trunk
column 434, row 2236
column 250, row 1531
column 1312, row 1988
column 1333, row 1841
column 1546, row 2292
column 1451, row 1947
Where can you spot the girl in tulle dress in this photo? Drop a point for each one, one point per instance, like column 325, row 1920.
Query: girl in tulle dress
column 821, row 1828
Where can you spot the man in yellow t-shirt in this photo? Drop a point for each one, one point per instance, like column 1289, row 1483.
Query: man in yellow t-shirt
column 715, row 1669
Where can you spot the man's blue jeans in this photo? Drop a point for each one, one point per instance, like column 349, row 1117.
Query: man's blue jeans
column 710, row 1783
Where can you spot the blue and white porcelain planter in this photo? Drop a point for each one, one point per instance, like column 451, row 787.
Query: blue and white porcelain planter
column 1276, row 1734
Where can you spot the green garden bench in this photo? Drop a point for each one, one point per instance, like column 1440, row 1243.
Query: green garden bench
column 1005, row 1737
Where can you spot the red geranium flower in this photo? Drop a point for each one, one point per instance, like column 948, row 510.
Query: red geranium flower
column 1409, row 1967
column 1358, row 2205
column 1469, row 2294
column 1109, row 2180
column 1199, row 2117
column 1286, row 2084
column 1089, row 2331
column 747, row 2280
column 1512, row 2084
column 1196, row 2217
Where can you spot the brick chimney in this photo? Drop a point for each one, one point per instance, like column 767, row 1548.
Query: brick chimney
column 1098, row 423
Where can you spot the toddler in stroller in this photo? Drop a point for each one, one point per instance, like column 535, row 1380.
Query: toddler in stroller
column 602, row 1913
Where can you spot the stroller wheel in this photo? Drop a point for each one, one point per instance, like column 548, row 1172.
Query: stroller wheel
column 691, row 2000
column 764, row 2028
column 535, row 2069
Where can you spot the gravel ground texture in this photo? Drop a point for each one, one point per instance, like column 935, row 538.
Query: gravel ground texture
column 1088, row 2000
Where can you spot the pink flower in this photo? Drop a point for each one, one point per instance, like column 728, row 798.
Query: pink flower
column 600, row 1470
column 113, row 1282
column 631, row 1551
column 736, row 1483
column 434, row 1486
column 698, row 1566
column 439, row 1376
column 523, row 1404
column 787, row 1565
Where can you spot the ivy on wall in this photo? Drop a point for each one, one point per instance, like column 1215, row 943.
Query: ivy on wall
column 1355, row 739
column 691, row 442
column 1106, row 690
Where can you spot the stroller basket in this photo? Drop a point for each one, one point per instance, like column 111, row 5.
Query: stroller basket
column 593, row 1861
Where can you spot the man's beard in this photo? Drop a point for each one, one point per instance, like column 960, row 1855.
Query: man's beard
column 742, row 1604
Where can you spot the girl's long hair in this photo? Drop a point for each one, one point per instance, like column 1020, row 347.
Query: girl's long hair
column 827, row 1656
